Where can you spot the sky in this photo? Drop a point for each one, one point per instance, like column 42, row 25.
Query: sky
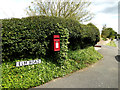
column 106, row 11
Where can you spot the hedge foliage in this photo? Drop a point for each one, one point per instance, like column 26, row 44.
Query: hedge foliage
column 0, row 35
column 118, row 36
column 108, row 33
column 38, row 74
column 89, row 35
column 31, row 36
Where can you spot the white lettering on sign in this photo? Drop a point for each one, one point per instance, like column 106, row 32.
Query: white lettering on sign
column 31, row 62
column 56, row 44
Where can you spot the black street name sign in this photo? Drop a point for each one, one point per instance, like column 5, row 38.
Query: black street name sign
column 31, row 62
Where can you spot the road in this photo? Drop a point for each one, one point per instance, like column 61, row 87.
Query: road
column 103, row 74
column 118, row 45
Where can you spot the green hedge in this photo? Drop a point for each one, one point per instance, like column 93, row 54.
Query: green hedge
column 118, row 36
column 108, row 33
column 80, row 35
column 0, row 41
column 30, row 37
column 91, row 34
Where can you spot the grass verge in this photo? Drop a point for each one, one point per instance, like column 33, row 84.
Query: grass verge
column 35, row 75
column 111, row 43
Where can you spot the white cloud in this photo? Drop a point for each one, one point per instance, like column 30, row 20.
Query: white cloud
column 105, row 13
column 102, row 19
column 13, row 8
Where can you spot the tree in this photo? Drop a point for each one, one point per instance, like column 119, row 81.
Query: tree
column 115, row 34
column 69, row 9
column 104, row 26
column 108, row 33
column 118, row 36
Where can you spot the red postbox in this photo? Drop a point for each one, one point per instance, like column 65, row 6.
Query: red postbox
column 56, row 43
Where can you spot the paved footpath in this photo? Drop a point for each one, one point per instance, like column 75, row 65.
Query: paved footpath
column 103, row 74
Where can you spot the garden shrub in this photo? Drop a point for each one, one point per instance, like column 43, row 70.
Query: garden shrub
column 91, row 34
column 87, row 55
column 80, row 35
column 38, row 74
column 118, row 36
column 30, row 36
column 108, row 33
column 112, row 43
